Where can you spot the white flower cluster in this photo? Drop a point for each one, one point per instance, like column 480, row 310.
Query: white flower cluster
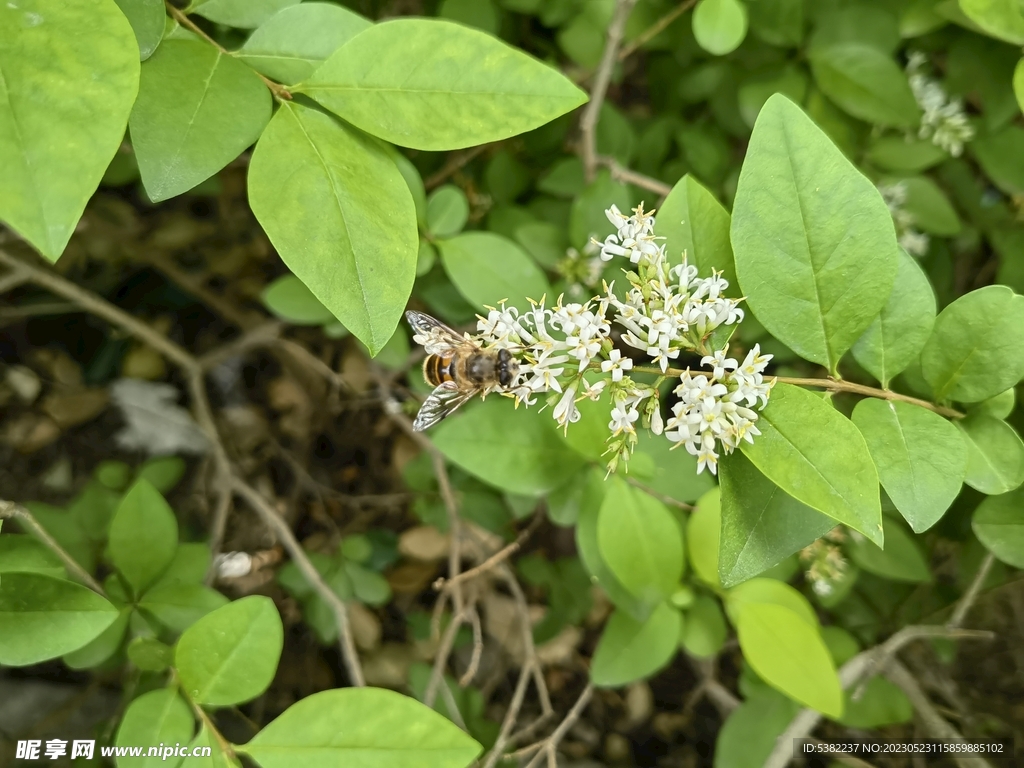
column 914, row 242
column 944, row 120
column 823, row 561
column 716, row 410
column 666, row 310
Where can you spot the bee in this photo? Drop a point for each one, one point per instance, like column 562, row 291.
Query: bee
column 458, row 368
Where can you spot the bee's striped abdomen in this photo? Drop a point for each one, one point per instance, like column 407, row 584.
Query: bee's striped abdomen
column 437, row 369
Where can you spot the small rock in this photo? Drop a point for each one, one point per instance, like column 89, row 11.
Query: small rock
column 388, row 666
column 559, row 650
column 366, row 628
column 424, row 542
column 30, row 432
column 24, row 382
column 616, row 748
column 639, row 704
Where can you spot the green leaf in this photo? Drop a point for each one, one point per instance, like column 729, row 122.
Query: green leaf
column 247, row 14
column 447, row 211
column 920, row 457
column 70, row 75
column 25, row 554
column 900, row 155
column 778, row 22
column 544, row 241
column 289, row 299
column 431, row 84
column 147, row 18
column 769, row 591
column 800, row 202
column 901, row 560
column 163, row 472
column 488, row 268
column 103, row 645
column 880, row 703
column 178, row 606
column 197, row 110
column 693, row 222
column 704, row 631
column 719, row 25
column 995, row 454
column 590, row 553
column 368, row 727
column 640, row 541
column 1000, row 405
column 762, row 525
column 928, row 204
column 44, row 617
column 1018, row 83
column 748, row 735
column 473, row 13
column 866, row 83
column 157, row 717
column 189, row 565
column 514, row 450
column 899, row 332
column 341, row 216
column 630, row 650
column 817, row 456
column 587, row 218
column 1001, row 19
column 369, row 586
column 230, row 656
column 703, row 532
column 143, row 536
column 1001, row 156
column 998, row 523
column 975, row 350
column 291, row 44
column 149, row 654
column 789, row 654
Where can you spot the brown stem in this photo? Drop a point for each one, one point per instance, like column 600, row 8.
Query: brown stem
column 623, row 174
column 962, row 607
column 550, row 745
column 652, row 31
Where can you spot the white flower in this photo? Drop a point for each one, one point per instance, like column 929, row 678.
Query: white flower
column 593, row 392
column 623, row 416
column 719, row 362
column 616, row 364
column 943, row 120
column 566, row 412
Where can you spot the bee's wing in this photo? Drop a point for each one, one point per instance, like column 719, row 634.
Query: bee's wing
column 425, row 325
column 439, row 403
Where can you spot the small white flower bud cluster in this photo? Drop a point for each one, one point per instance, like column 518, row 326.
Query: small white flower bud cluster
column 944, row 120
column 910, row 239
column 823, row 562
column 715, row 411
column 666, row 310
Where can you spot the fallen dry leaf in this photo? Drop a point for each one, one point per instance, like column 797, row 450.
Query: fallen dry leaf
column 366, row 628
column 424, row 542
column 69, row 409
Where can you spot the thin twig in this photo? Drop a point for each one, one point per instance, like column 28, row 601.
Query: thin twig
column 13, row 511
column 655, row 29
column 500, row 556
column 257, row 336
column 962, row 607
column 276, row 88
column 13, row 279
column 444, row 650
column 478, row 648
column 663, row 498
column 588, row 123
column 549, row 747
column 453, row 164
column 277, row 524
column 625, row 175
column 511, row 715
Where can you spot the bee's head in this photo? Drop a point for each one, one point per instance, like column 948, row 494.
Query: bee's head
column 508, row 368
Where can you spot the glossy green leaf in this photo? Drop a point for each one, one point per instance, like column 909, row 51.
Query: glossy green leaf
column 900, row 155
column 163, row 472
column 514, row 450
column 149, row 654
column 770, row 591
column 431, row 84
column 817, row 456
column 368, row 727
column 975, row 350
column 1018, row 83
column 488, row 268
column 998, row 523
column 289, row 299
column 901, row 560
column 1002, row 19
column 748, row 735
column 920, row 457
column 640, row 541
column 157, row 717
column 693, row 222
column 44, row 617
column 197, row 110
column 704, row 630
column 675, row 472
column 791, row 81
column 630, row 650
column 789, row 654
column 291, row 44
column 591, row 500
column 899, row 332
column 20, row 553
column 801, row 203
column 447, row 211
column 190, row 564
column 1001, row 156
column 70, row 75
column 340, row 215
column 866, row 83
column 995, row 454
column 762, row 525
column 719, row 25
column 143, row 536
column 230, row 656
column 178, row 606
column 103, row 646
column 703, row 532
column 1000, row 406
column 147, row 18
column 247, row 14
